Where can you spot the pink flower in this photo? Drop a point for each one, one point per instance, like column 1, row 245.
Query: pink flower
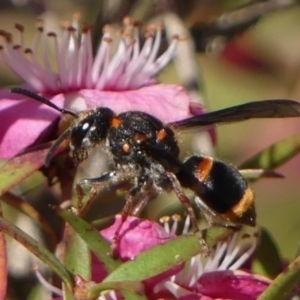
column 217, row 277
column 136, row 236
column 121, row 81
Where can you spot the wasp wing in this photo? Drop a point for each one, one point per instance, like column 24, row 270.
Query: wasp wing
column 260, row 109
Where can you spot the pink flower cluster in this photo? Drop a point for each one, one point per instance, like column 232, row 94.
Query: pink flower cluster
column 217, row 277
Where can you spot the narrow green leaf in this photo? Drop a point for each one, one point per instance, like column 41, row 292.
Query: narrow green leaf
column 27, row 209
column 214, row 235
column 67, row 293
column 167, row 256
column 19, row 168
column 37, row 249
column 284, row 283
column 92, row 238
column 275, row 155
column 77, row 255
column 152, row 262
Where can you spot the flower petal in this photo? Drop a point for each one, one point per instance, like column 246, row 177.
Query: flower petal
column 236, row 285
column 22, row 122
column 168, row 103
column 136, row 236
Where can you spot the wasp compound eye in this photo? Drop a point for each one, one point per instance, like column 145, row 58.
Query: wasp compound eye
column 84, row 134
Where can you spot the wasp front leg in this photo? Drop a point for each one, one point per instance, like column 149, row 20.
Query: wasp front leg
column 96, row 185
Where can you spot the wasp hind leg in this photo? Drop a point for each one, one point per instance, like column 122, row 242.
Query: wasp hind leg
column 190, row 211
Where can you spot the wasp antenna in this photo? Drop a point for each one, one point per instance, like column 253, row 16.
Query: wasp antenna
column 55, row 145
column 43, row 100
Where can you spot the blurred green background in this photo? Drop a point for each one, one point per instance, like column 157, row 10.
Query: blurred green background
column 263, row 62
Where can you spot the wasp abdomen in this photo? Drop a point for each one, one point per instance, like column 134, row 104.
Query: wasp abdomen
column 222, row 188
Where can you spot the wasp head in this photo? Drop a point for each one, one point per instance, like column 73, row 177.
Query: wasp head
column 89, row 130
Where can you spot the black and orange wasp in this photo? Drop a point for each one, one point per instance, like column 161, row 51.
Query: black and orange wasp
column 145, row 152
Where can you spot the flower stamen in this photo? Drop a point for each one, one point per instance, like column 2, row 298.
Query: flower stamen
column 229, row 254
column 20, row 29
column 165, row 221
column 131, row 67
column 176, row 219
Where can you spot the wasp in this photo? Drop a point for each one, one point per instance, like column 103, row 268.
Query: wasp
column 145, row 151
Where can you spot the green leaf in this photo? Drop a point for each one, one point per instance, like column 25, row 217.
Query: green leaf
column 267, row 260
column 68, row 294
column 168, row 255
column 214, row 235
column 284, row 283
column 92, row 238
column 275, row 155
column 144, row 266
column 37, row 249
column 19, row 168
column 174, row 252
column 76, row 254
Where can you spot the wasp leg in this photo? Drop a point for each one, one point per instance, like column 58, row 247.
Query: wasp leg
column 94, row 184
column 190, row 211
column 133, row 194
column 96, row 180
column 139, row 207
column 148, row 192
column 213, row 218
